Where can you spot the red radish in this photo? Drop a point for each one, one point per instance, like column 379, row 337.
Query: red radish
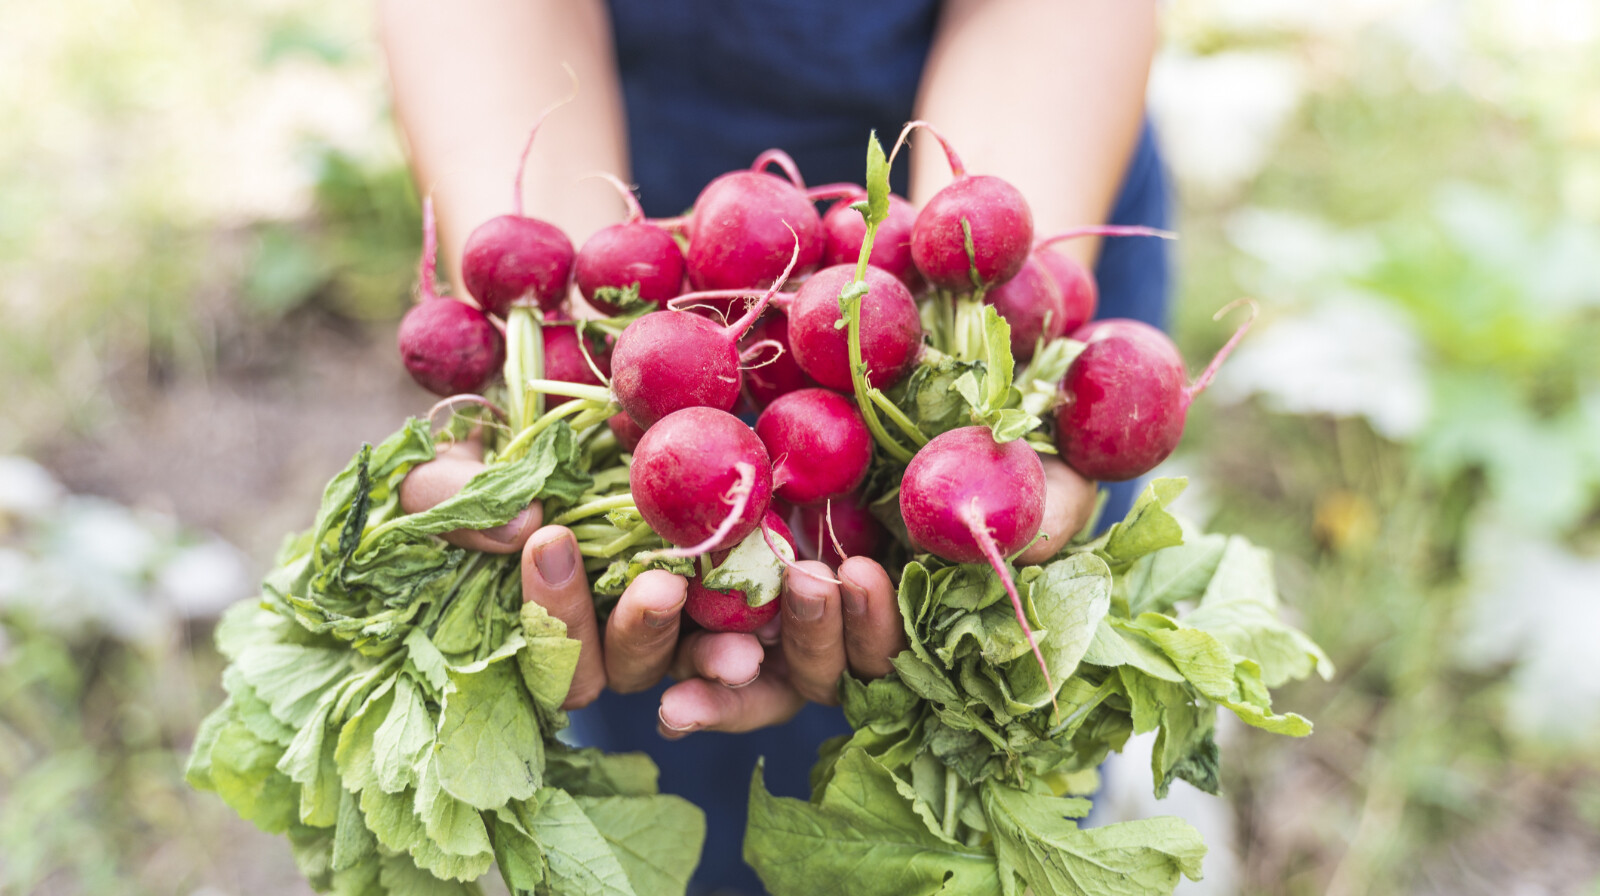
column 449, row 347
column 891, row 328
column 1079, row 292
column 891, row 247
column 633, row 254
column 970, row 499
column 569, row 360
column 1125, row 399
column 819, row 445
column 743, row 230
column 975, row 233
column 1032, row 304
column 840, row 528
column 1080, row 295
column 730, row 611
column 513, row 258
column 766, row 377
column 668, row 360
column 701, row 479
column 627, row 432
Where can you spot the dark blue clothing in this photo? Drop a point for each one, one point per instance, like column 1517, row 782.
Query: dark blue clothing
column 709, row 85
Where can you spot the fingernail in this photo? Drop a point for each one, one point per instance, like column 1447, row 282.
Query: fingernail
column 741, row 684
column 512, row 530
column 662, row 618
column 556, row 560
column 806, row 607
column 684, row 729
column 853, row 596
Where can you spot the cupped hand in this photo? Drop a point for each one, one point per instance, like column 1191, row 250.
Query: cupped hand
column 451, row 468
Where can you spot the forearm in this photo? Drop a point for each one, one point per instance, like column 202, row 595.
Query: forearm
column 1048, row 94
column 470, row 77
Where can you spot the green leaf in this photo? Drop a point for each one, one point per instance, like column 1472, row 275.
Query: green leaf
column 291, row 678
column 863, row 839
column 354, row 750
column 452, row 826
column 1240, row 607
column 625, row 299
column 657, row 839
column 244, row 770
column 548, row 660
column 400, row 876
column 1157, row 582
column 353, row 844
column 999, row 366
column 1011, row 424
column 309, row 762
column 520, row 858
column 589, row 772
column 1034, row 843
column 404, row 739
column 753, row 568
column 578, row 858
column 490, row 748
column 877, row 182
column 1148, row 526
column 198, row 770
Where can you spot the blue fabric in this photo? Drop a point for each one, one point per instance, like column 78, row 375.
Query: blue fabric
column 709, row 85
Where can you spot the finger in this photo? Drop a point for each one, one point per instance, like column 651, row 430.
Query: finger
column 552, row 577
column 813, row 632
column 701, row 705
column 873, row 632
column 642, row 632
column 1068, row 503
column 728, row 658
column 431, row 483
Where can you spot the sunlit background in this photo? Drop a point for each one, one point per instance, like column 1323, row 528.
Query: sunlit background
column 207, row 238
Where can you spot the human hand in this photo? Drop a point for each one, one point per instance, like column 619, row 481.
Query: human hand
column 1068, row 503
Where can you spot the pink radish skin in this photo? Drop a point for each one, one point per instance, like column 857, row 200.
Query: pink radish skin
column 1126, row 399
column 819, row 445
column 627, row 432
column 626, row 254
column 970, row 499
column 1080, row 295
column 891, row 328
column 729, row 611
column 668, row 360
column 891, row 247
column 693, row 470
column 743, row 229
column 995, row 213
column 564, row 360
column 448, row 347
column 1032, row 304
column 766, row 378
column 822, row 530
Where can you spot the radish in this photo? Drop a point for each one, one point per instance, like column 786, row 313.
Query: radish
column 975, row 233
column 764, row 379
column 729, row 610
column 1079, row 293
column 891, row 250
column 838, row 529
column 969, row 499
column 627, row 432
column 1032, row 303
column 701, row 479
column 633, row 256
column 891, row 328
column 744, row 225
column 1125, row 399
column 514, row 258
column 569, row 360
column 448, row 347
column 668, row 360
column 819, row 445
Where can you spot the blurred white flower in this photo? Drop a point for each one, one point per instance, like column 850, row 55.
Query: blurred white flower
column 1220, row 115
column 1296, row 250
column 1536, row 605
column 96, row 535
column 26, row 489
column 1350, row 355
column 201, row 580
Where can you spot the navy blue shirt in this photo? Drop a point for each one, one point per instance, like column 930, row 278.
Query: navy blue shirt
column 709, row 85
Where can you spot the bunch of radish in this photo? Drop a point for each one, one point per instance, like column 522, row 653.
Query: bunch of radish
column 753, row 360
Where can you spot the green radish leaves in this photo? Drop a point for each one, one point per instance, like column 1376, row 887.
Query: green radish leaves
column 393, row 703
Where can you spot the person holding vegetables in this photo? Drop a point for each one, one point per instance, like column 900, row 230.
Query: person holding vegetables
column 1048, row 94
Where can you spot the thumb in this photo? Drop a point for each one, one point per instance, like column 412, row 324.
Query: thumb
column 1068, row 503
column 552, row 577
column 441, row 478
